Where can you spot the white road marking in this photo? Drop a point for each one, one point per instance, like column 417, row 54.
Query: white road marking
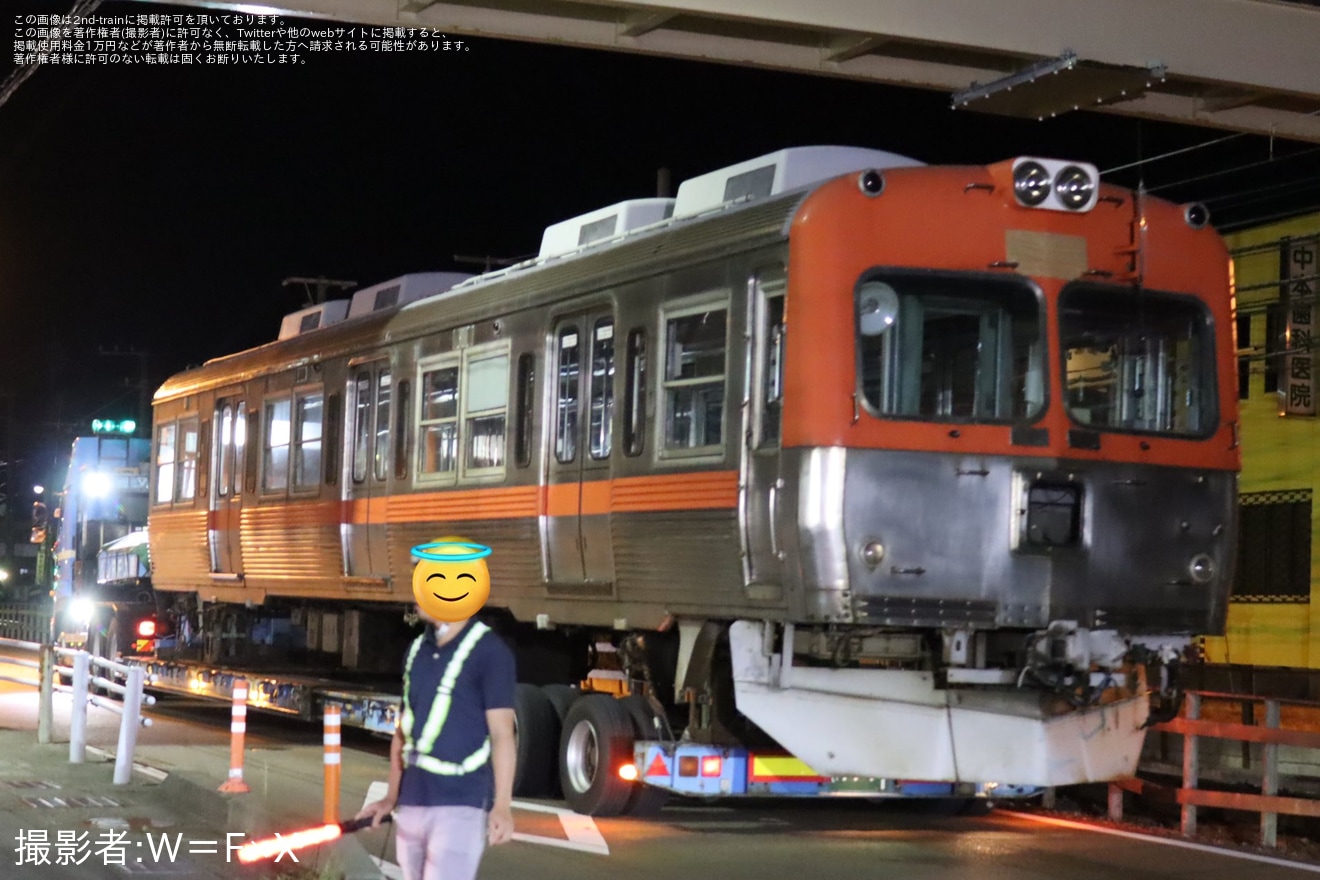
column 581, row 830
column 375, row 792
column 1184, row 844
column 149, row 772
column 389, row 869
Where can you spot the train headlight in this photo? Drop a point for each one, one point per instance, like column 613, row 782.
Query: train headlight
column 1051, row 184
column 1031, row 183
column 1074, row 187
column 1201, row 568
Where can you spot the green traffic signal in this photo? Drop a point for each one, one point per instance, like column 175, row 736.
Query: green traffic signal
column 111, row 426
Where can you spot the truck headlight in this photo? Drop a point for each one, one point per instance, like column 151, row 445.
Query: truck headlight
column 81, row 611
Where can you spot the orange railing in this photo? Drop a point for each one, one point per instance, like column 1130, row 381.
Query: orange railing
column 1193, row 727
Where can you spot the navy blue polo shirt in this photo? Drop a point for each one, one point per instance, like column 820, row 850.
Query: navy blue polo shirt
column 487, row 682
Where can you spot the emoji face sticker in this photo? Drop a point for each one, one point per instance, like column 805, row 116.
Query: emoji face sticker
column 451, row 581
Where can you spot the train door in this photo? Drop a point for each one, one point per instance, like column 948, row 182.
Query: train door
column 228, row 467
column 579, row 548
column 371, row 396
column 761, row 458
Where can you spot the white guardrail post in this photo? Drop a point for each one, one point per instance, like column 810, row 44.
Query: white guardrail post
column 82, row 663
column 128, row 726
column 46, row 689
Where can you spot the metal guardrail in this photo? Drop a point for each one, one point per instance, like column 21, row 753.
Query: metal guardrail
column 80, row 672
column 26, row 622
column 130, row 713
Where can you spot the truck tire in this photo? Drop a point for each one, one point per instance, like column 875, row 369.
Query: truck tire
column 536, row 728
column 597, row 739
column 108, row 647
column 645, row 800
column 561, row 696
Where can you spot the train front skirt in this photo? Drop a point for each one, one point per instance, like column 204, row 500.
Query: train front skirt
column 897, row 724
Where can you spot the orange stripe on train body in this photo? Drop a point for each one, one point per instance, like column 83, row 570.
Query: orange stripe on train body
column 701, row 490
column 927, row 219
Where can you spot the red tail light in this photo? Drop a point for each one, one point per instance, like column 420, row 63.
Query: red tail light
column 146, row 629
column 711, row 766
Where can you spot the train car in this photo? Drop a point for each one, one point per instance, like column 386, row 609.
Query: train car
column 910, row 472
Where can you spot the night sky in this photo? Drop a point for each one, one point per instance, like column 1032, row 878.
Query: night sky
column 159, row 208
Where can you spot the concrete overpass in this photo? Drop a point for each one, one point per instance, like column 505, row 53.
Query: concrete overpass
column 1239, row 65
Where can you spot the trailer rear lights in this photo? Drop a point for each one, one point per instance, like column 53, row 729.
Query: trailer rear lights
column 712, row 765
column 628, row 772
column 688, row 765
column 146, row 629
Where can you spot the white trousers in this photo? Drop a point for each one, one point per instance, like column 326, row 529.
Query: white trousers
column 439, row 843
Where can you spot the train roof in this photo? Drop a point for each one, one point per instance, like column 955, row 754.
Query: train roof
column 744, row 205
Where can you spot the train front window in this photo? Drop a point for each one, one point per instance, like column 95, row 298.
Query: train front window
column 950, row 348
column 1137, row 361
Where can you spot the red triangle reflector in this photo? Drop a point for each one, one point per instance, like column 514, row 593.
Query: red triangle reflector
column 658, row 766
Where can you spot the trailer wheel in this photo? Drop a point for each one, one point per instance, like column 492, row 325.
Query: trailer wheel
column 536, row 731
column 108, row 647
column 562, row 697
column 645, row 800
column 597, row 739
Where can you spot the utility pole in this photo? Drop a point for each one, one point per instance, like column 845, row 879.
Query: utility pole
column 322, row 285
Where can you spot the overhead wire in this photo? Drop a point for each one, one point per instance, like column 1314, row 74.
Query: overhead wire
column 1236, row 168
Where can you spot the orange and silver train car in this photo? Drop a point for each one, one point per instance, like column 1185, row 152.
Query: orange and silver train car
column 918, row 472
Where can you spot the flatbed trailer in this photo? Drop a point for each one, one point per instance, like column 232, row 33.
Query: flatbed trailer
column 662, row 766
column 300, row 696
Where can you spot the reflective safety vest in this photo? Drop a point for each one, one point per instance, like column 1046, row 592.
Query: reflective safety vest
column 418, row 754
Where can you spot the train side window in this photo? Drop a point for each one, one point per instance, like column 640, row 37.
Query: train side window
column 381, row 462
column 165, row 462
column 361, row 423
column 187, row 461
column 401, row 431
column 600, row 428
column 634, row 393
column 693, row 378
column 566, row 409
column 522, row 443
column 275, row 445
column 438, row 431
column 307, row 441
column 485, row 409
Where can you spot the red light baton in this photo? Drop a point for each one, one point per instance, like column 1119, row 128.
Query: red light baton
column 282, row 844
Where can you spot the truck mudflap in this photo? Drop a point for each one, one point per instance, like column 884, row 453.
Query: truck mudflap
column 715, row 771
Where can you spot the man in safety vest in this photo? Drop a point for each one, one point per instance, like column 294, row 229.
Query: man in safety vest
column 453, row 754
